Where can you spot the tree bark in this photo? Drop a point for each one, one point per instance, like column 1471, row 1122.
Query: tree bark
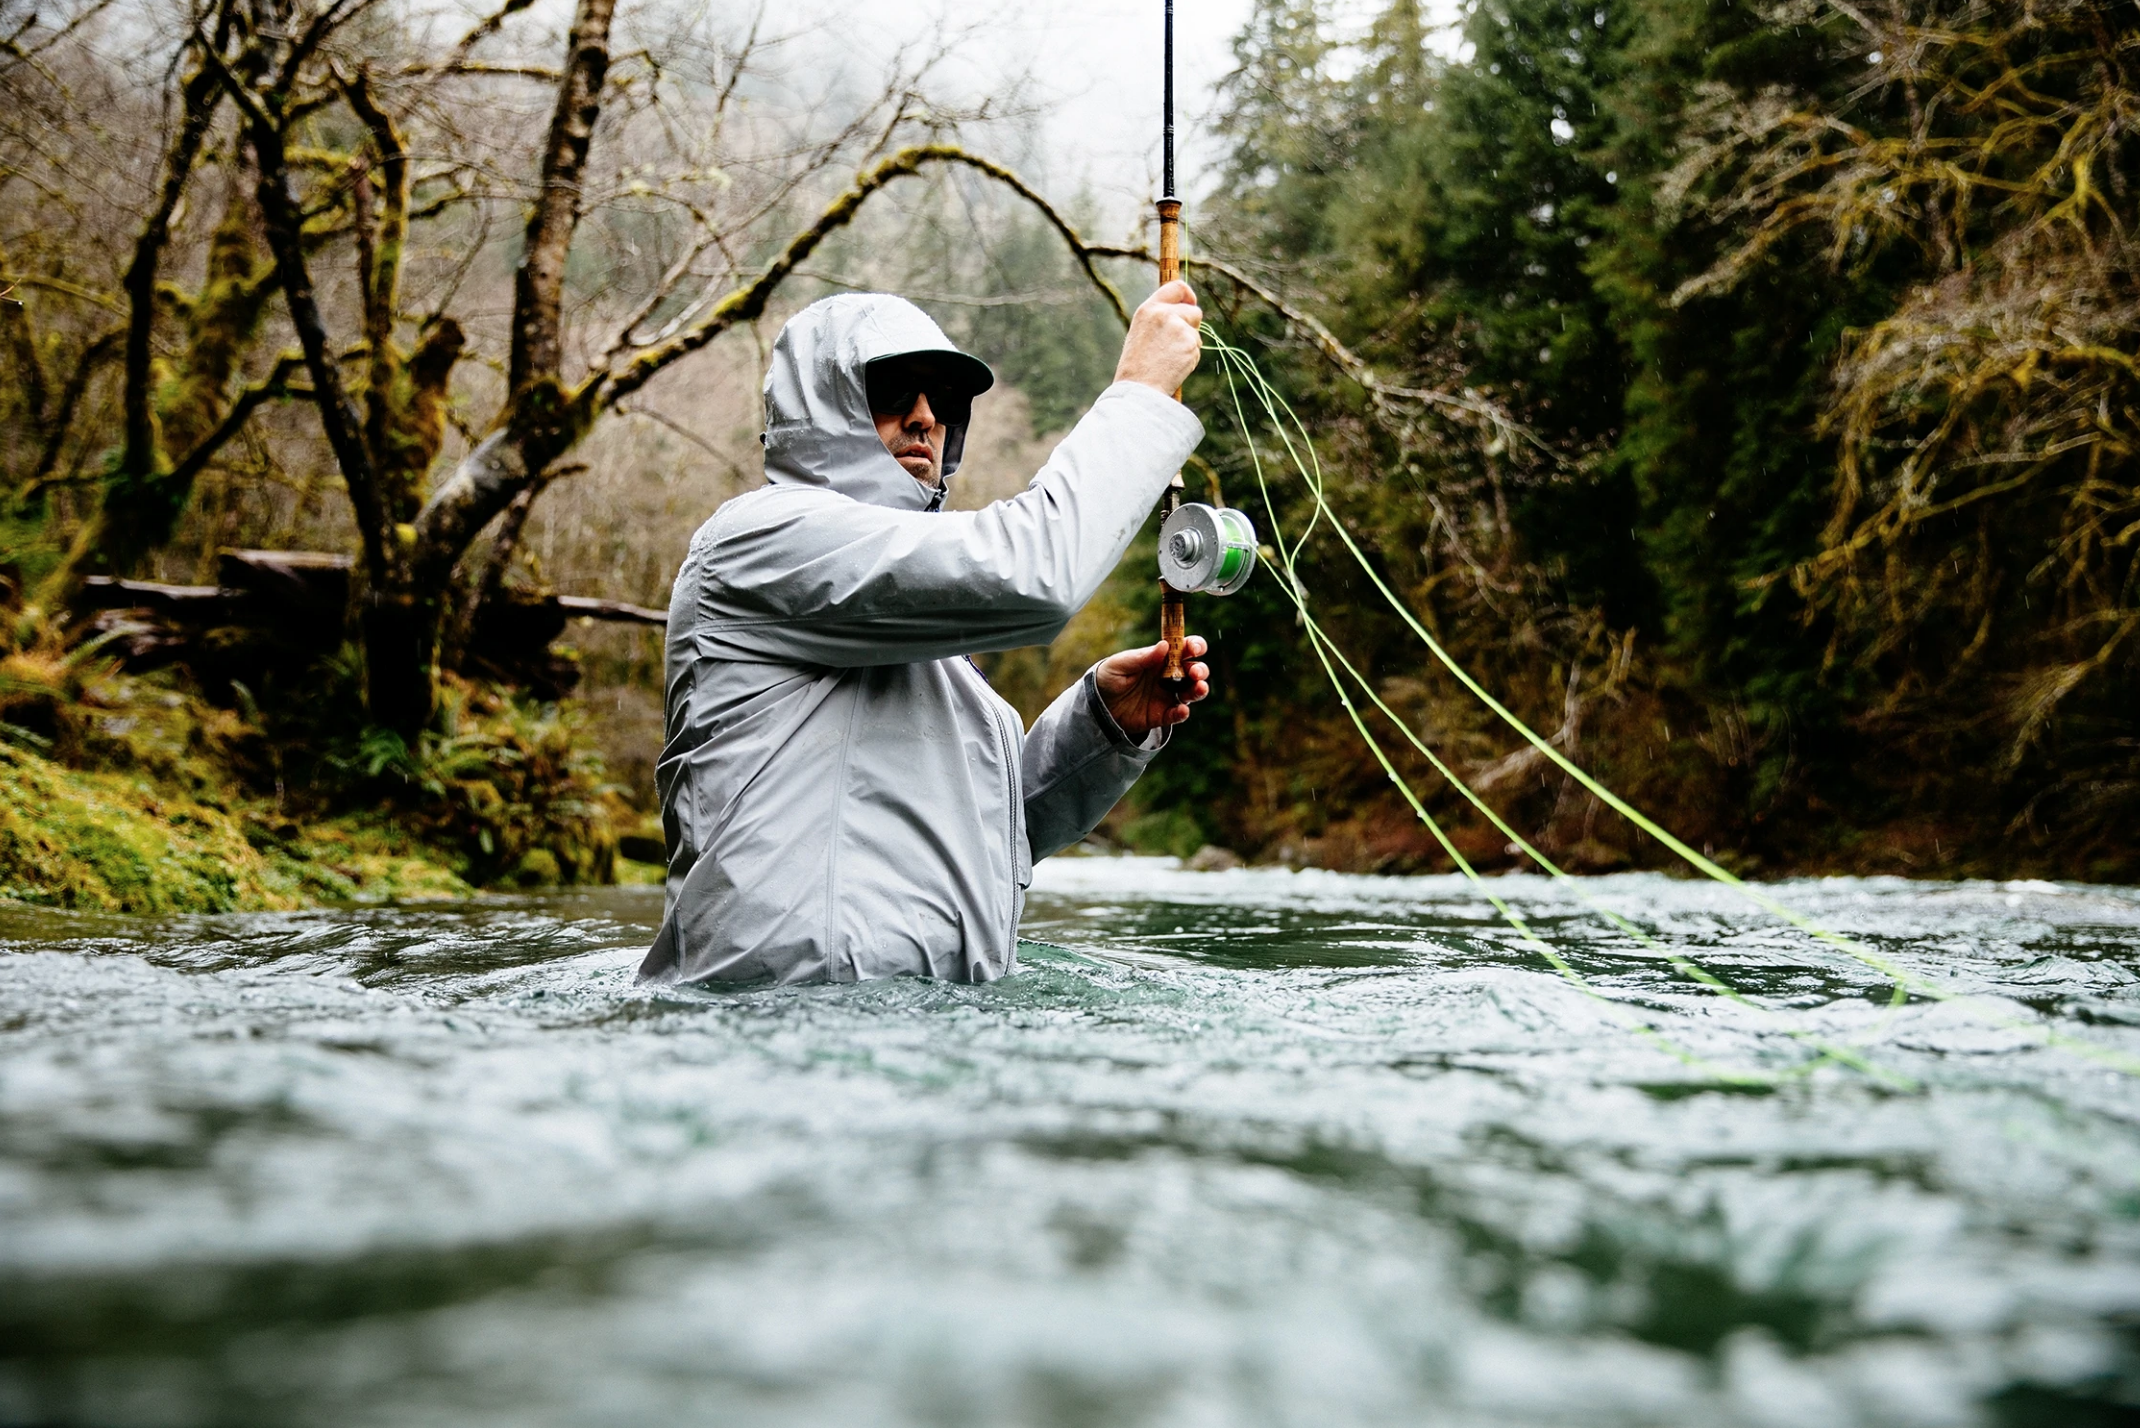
column 197, row 105
column 539, row 283
column 492, row 576
column 398, row 619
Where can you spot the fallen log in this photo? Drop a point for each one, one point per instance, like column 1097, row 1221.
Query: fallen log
column 292, row 588
column 102, row 592
column 276, row 613
column 580, row 607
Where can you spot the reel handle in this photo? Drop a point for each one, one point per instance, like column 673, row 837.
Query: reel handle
column 1173, row 628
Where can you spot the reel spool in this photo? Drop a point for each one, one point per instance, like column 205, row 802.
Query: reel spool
column 1206, row 550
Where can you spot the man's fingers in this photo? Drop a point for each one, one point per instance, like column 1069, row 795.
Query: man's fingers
column 1176, row 299
column 1179, row 710
column 1131, row 663
column 1187, row 312
column 1162, row 347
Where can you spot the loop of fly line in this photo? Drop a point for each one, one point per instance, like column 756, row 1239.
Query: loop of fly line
column 1240, row 371
column 1327, row 650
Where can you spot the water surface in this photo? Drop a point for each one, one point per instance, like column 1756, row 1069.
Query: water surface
column 1236, row 1149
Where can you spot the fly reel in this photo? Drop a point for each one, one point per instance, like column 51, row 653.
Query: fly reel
column 1206, row 550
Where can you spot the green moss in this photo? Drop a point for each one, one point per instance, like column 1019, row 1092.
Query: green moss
column 125, row 842
column 1171, row 831
column 538, row 869
column 512, row 791
column 135, row 794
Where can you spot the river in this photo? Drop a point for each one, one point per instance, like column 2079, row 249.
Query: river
column 1246, row 1148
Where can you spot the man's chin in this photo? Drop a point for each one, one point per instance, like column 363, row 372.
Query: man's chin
column 922, row 471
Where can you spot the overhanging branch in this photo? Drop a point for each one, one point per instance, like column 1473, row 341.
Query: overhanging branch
column 490, row 477
column 1382, row 393
column 747, row 303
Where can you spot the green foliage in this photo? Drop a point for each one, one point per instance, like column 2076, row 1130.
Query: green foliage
column 513, row 788
column 1172, row 831
column 113, row 841
column 1534, row 223
column 133, row 794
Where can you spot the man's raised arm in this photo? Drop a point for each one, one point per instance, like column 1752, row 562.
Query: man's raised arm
column 806, row 576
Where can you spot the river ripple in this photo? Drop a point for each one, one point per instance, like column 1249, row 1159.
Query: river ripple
column 1236, row 1149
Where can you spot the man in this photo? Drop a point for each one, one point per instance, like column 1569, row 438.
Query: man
column 843, row 794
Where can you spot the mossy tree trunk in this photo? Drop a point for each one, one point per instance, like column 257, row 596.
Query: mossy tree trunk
column 180, row 408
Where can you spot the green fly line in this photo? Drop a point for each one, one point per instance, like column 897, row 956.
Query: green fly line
column 1241, row 374
column 1327, row 651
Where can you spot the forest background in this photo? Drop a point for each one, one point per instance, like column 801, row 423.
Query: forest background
column 1745, row 392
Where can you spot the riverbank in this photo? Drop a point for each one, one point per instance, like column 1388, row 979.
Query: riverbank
column 111, row 842
column 134, row 795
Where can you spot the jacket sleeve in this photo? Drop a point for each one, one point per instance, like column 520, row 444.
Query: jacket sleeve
column 807, row 576
column 1077, row 764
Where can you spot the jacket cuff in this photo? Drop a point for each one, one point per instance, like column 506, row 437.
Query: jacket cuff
column 1096, row 707
column 1162, row 407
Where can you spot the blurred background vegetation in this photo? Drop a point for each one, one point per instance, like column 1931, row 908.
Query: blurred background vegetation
column 1747, row 392
column 1820, row 325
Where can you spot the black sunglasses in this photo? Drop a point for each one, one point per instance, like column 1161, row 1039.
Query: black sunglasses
column 893, row 387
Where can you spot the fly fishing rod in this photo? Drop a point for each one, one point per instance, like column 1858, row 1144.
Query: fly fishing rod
column 1209, row 550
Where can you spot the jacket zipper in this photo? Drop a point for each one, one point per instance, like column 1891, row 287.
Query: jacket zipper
column 994, row 709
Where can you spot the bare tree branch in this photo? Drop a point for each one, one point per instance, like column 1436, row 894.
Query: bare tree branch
column 274, row 387
column 748, row 302
column 283, row 221
column 493, row 474
column 22, row 342
column 382, row 254
column 490, row 25
column 95, row 355
column 670, row 423
column 323, row 25
column 1469, row 402
column 63, row 288
column 476, row 69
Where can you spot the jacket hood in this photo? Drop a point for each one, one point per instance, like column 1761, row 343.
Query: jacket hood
column 818, row 427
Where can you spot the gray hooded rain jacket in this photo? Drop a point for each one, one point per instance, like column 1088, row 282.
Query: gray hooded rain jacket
column 843, row 794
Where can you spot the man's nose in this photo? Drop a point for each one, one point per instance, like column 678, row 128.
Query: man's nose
column 920, row 415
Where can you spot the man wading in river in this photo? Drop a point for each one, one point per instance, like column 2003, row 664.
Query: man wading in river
column 843, row 794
